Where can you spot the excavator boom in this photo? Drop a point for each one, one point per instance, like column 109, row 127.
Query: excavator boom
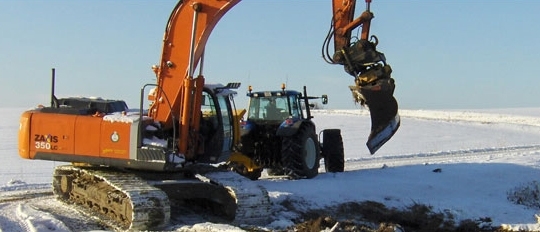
column 179, row 91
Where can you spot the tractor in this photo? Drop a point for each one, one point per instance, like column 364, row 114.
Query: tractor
column 278, row 135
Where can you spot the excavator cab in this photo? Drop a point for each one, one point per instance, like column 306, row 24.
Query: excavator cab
column 217, row 125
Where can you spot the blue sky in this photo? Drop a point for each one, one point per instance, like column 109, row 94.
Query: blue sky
column 446, row 54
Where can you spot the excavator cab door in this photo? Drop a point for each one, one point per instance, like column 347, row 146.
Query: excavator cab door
column 216, row 126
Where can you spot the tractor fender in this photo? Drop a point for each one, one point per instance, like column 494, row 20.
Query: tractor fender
column 290, row 126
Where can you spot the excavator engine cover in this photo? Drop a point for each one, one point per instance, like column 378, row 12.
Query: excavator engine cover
column 375, row 88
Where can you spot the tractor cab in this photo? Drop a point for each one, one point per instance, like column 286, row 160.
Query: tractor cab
column 277, row 106
column 274, row 105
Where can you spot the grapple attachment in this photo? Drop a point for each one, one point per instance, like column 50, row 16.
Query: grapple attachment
column 375, row 89
column 360, row 58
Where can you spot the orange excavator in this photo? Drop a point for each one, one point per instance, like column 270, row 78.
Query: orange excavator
column 140, row 168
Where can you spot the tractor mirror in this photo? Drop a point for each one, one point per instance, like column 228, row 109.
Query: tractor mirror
column 324, row 99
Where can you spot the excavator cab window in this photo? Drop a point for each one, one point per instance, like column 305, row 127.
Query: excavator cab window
column 226, row 118
column 216, row 125
column 209, row 112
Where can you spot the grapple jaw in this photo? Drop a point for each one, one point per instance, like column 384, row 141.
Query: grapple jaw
column 382, row 134
column 375, row 89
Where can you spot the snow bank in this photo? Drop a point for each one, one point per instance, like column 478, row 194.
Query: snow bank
column 39, row 221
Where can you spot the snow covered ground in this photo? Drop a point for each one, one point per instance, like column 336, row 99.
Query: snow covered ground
column 480, row 156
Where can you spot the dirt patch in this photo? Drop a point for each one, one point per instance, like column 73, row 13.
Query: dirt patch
column 370, row 216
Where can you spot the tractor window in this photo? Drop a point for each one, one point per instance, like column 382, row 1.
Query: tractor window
column 275, row 108
column 254, row 112
column 268, row 108
column 296, row 109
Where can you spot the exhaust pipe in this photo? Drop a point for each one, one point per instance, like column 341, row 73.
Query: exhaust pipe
column 54, row 100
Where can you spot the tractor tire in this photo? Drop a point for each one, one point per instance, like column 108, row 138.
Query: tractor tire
column 332, row 151
column 300, row 153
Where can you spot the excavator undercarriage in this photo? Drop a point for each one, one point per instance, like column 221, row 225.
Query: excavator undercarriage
column 137, row 200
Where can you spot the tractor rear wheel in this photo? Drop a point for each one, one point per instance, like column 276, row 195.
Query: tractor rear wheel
column 300, row 153
column 332, row 151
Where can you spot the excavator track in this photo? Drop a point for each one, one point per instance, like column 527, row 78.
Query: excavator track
column 253, row 206
column 120, row 196
column 141, row 201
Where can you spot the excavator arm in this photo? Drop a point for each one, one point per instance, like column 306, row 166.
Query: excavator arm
column 344, row 22
column 374, row 86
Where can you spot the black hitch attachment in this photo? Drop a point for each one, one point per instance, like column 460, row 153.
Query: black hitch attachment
column 375, row 89
column 359, row 56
